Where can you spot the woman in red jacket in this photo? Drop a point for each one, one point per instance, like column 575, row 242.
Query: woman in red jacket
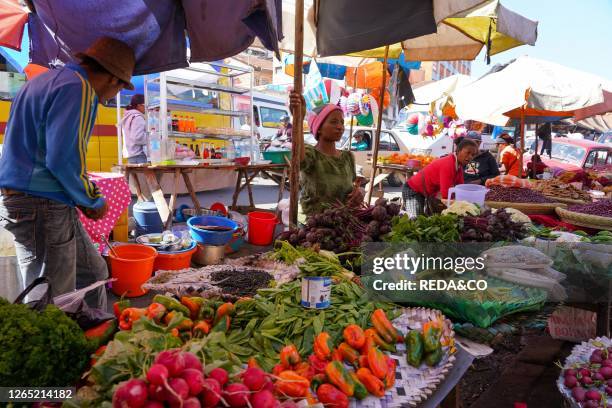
column 437, row 177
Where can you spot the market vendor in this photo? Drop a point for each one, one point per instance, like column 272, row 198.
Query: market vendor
column 483, row 166
column 509, row 156
column 133, row 125
column 43, row 173
column 535, row 166
column 327, row 175
column 437, row 177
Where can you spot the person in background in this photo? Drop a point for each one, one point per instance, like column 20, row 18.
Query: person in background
column 286, row 129
column 437, row 177
column 545, row 134
column 327, row 174
column 509, row 156
column 483, row 166
column 535, row 166
column 43, row 174
column 360, row 144
column 133, row 125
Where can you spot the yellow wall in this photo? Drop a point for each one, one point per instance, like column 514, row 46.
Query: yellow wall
column 102, row 147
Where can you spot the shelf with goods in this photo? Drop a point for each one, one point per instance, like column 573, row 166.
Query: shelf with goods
column 199, row 103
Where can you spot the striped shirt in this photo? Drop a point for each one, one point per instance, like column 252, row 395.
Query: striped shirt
column 45, row 145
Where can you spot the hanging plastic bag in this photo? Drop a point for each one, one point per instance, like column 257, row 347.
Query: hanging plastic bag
column 315, row 93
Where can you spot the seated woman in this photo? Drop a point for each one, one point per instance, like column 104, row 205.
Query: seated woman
column 327, row 174
column 437, row 177
column 483, row 166
column 509, row 156
column 535, row 166
column 360, row 144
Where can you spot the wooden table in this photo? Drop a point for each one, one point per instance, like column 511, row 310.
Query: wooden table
column 382, row 168
column 166, row 210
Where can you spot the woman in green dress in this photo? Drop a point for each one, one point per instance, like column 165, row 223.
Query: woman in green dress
column 327, row 174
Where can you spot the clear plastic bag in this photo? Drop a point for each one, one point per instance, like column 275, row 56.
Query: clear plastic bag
column 556, row 292
column 516, row 256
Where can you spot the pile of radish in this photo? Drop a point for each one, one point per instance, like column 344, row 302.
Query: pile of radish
column 178, row 379
column 590, row 383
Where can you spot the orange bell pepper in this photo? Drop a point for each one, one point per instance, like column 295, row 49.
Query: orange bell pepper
column 156, row 311
column 363, row 362
column 201, row 328
column 377, row 362
column 390, row 347
column 289, row 356
column 226, row 309
column 374, row 385
column 291, row 384
column 193, row 305
column 317, row 364
column 391, row 368
column 349, row 354
column 331, row 396
column 129, row 316
column 305, row 370
column 383, row 326
column 339, row 376
column 354, row 336
column 252, row 363
column 323, row 346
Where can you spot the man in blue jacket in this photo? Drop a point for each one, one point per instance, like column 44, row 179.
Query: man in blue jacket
column 43, row 176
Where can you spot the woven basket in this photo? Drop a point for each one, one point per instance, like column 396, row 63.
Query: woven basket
column 585, row 220
column 527, row 208
column 567, row 200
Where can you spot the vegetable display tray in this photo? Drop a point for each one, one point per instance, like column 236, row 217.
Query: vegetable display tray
column 585, row 220
column 414, row 385
column 570, row 201
column 527, row 208
column 581, row 354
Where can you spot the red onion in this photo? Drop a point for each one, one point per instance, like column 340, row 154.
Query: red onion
column 602, row 208
column 516, row 195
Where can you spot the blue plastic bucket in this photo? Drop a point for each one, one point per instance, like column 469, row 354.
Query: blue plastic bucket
column 209, row 237
column 148, row 220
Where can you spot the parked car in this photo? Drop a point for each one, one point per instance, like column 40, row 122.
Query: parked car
column 605, row 138
column 577, row 154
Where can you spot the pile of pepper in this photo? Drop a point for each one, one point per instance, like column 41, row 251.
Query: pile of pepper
column 200, row 316
column 327, row 372
column 424, row 346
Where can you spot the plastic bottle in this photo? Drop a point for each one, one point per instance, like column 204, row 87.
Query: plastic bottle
column 197, row 150
column 256, row 153
column 155, row 150
column 206, row 152
column 231, row 151
column 237, row 148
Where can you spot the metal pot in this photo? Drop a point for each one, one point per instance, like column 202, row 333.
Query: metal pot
column 209, row 254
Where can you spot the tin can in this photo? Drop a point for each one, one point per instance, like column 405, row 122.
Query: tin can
column 316, row 292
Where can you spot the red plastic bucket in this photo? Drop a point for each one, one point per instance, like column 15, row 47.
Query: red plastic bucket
column 261, row 227
column 132, row 267
column 167, row 261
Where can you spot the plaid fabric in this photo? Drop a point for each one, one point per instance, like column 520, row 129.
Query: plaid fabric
column 414, row 203
column 508, row 181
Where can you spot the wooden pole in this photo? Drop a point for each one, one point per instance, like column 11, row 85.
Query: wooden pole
column 297, row 142
column 378, row 126
column 522, row 141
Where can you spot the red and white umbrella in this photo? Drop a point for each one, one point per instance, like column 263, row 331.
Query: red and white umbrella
column 13, row 18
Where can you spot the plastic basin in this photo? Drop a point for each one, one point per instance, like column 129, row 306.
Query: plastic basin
column 277, row 157
column 174, row 261
column 261, row 227
column 472, row 193
column 209, row 237
column 132, row 267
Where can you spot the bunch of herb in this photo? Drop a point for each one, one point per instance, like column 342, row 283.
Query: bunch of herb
column 437, row 228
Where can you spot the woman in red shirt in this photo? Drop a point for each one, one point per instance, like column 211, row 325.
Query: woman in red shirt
column 437, row 177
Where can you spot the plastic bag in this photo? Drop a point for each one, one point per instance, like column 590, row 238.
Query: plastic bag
column 516, row 256
column 556, row 292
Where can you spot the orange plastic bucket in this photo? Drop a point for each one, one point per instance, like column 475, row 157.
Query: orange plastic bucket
column 168, row 261
column 261, row 227
column 132, row 267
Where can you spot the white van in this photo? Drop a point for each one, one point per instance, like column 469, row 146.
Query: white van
column 267, row 112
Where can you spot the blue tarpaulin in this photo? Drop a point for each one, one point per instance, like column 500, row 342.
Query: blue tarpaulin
column 155, row 29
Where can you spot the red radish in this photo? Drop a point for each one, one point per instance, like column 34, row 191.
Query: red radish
column 173, row 360
column 157, row 374
column 192, row 361
column 570, row 372
column 178, row 391
column 586, row 381
column 591, row 404
column 593, row 395
column 570, row 382
column 607, row 362
column 596, row 359
column 269, row 385
column 157, row 392
column 263, row 399
column 598, row 377
column 194, row 379
column 220, row 375
column 254, row 378
column 579, row 394
column 608, row 391
column 212, row 393
column 153, row 404
column 609, row 383
column 192, row 402
column 584, row 372
column 606, row 372
column 130, row 394
column 236, row 395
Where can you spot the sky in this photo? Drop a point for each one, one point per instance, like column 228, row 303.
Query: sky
column 577, row 34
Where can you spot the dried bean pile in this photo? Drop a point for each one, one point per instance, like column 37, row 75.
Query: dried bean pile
column 516, row 195
column 241, row 284
column 602, row 208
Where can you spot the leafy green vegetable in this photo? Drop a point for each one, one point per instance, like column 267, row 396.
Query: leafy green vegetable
column 311, row 262
column 40, row 349
column 437, row 228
